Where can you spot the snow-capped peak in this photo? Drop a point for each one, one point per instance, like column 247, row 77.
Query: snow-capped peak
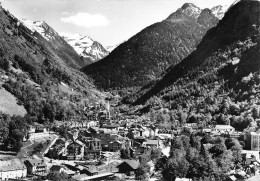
column 191, row 10
column 219, row 11
column 41, row 27
column 77, row 41
column 85, row 46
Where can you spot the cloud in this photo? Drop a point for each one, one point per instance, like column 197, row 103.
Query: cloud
column 65, row 13
column 86, row 20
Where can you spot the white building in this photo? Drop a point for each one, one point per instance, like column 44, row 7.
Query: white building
column 218, row 129
column 12, row 169
column 250, row 152
column 255, row 141
column 91, row 124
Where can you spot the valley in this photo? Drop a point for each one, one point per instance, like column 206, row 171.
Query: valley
column 180, row 100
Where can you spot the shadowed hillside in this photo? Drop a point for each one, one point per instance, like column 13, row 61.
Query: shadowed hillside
column 145, row 56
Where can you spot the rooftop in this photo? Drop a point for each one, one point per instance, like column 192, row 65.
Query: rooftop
column 224, row 127
column 12, row 164
column 56, row 167
column 132, row 163
column 36, row 162
column 152, row 142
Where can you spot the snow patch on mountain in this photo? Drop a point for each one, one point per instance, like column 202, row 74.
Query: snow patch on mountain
column 191, row 10
column 85, row 46
column 42, row 28
column 219, row 11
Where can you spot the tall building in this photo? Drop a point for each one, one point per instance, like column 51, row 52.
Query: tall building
column 255, row 141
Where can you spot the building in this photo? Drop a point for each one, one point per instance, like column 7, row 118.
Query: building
column 75, row 150
column 91, row 124
column 35, row 167
column 12, row 169
column 92, row 147
column 91, row 171
column 219, row 129
column 56, row 169
column 128, row 167
column 250, row 152
column 110, row 128
column 255, row 141
column 93, row 144
column 116, row 145
column 40, row 128
column 31, row 129
column 152, row 143
column 236, row 135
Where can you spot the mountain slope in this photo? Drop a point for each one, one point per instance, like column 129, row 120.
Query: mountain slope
column 145, row 56
column 61, row 47
column 35, row 72
column 87, row 48
column 226, row 54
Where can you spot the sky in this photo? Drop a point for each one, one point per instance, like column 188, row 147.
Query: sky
column 109, row 22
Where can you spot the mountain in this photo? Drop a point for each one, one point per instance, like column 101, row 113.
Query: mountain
column 111, row 48
column 225, row 63
column 68, row 54
column 219, row 11
column 36, row 71
column 146, row 56
column 86, row 47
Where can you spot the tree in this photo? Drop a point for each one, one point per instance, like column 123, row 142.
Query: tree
column 4, row 127
column 183, row 117
column 58, row 177
column 142, row 173
column 4, row 63
column 255, row 112
column 175, row 167
column 17, row 131
column 125, row 153
column 155, row 154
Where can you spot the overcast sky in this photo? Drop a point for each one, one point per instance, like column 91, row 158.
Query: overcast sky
column 108, row 21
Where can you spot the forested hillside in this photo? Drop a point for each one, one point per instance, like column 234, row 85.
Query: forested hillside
column 220, row 81
column 145, row 56
column 35, row 72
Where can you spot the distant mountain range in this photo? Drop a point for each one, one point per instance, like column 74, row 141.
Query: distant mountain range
column 147, row 55
column 87, row 49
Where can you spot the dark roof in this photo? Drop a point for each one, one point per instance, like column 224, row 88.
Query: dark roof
column 35, row 162
column 56, row 167
column 132, row 163
column 77, row 142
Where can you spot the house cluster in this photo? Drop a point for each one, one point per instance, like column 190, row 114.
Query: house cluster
column 19, row 168
column 88, row 144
